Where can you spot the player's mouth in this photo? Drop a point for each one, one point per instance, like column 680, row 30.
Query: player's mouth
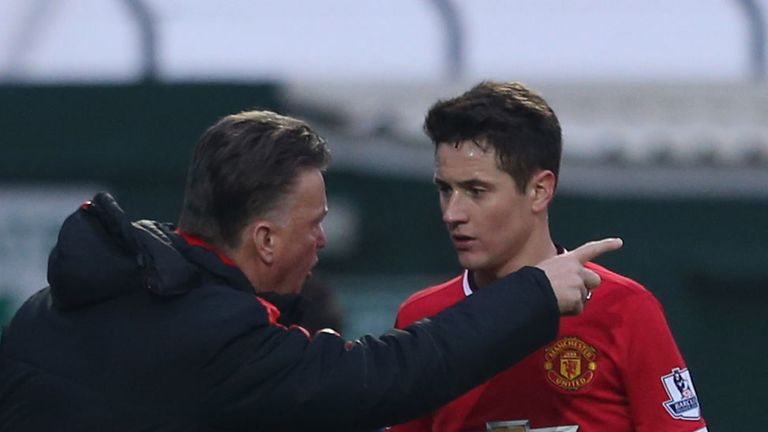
column 462, row 242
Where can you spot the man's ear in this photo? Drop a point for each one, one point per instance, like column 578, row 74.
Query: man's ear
column 263, row 238
column 542, row 189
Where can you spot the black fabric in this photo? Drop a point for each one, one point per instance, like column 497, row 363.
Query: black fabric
column 140, row 331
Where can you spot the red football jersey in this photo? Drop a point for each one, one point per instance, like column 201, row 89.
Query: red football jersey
column 615, row 367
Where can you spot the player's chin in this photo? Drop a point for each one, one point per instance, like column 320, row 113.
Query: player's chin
column 469, row 260
column 478, row 263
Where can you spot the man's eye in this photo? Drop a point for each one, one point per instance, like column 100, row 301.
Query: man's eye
column 476, row 191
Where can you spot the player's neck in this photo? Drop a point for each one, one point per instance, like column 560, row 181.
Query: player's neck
column 535, row 251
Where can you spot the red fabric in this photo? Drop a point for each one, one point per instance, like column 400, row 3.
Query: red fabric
column 272, row 311
column 274, row 314
column 603, row 372
column 197, row 241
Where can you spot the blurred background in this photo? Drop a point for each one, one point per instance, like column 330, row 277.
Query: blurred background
column 664, row 108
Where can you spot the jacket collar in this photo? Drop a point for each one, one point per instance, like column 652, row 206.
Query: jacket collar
column 290, row 307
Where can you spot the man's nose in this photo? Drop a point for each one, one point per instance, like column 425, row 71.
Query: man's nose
column 453, row 210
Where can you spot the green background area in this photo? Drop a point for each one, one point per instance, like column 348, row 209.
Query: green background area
column 134, row 139
column 703, row 259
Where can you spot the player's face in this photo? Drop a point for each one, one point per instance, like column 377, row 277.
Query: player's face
column 299, row 232
column 489, row 220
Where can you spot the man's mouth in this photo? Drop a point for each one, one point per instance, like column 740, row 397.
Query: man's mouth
column 462, row 242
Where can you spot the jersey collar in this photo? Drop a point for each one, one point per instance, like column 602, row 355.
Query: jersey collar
column 468, row 280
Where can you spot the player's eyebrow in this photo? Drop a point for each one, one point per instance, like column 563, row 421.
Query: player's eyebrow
column 471, row 183
column 464, row 184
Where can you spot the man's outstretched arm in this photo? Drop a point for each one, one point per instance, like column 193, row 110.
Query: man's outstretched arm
column 327, row 382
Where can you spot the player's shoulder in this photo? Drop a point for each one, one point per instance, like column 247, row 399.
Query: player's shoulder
column 616, row 285
column 431, row 300
column 446, row 290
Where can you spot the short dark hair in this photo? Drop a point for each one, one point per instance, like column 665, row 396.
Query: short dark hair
column 242, row 166
column 512, row 119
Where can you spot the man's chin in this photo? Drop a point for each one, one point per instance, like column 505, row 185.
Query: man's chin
column 475, row 265
column 468, row 261
column 300, row 288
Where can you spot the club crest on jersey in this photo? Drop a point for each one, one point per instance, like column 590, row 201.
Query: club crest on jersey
column 570, row 363
column 683, row 402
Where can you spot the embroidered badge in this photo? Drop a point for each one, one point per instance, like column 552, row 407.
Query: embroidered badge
column 570, row 363
column 683, row 402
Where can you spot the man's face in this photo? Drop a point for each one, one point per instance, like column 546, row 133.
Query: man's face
column 490, row 222
column 298, row 232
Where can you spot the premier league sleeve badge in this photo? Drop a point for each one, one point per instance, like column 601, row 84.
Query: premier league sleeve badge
column 683, row 403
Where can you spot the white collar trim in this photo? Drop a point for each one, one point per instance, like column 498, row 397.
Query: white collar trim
column 465, row 284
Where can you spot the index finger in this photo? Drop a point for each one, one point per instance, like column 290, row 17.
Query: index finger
column 591, row 250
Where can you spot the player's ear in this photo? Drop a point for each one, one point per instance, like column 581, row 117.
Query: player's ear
column 542, row 189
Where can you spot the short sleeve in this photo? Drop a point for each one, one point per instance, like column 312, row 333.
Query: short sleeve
column 658, row 383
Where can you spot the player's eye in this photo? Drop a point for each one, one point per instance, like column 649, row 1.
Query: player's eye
column 476, row 191
column 443, row 189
